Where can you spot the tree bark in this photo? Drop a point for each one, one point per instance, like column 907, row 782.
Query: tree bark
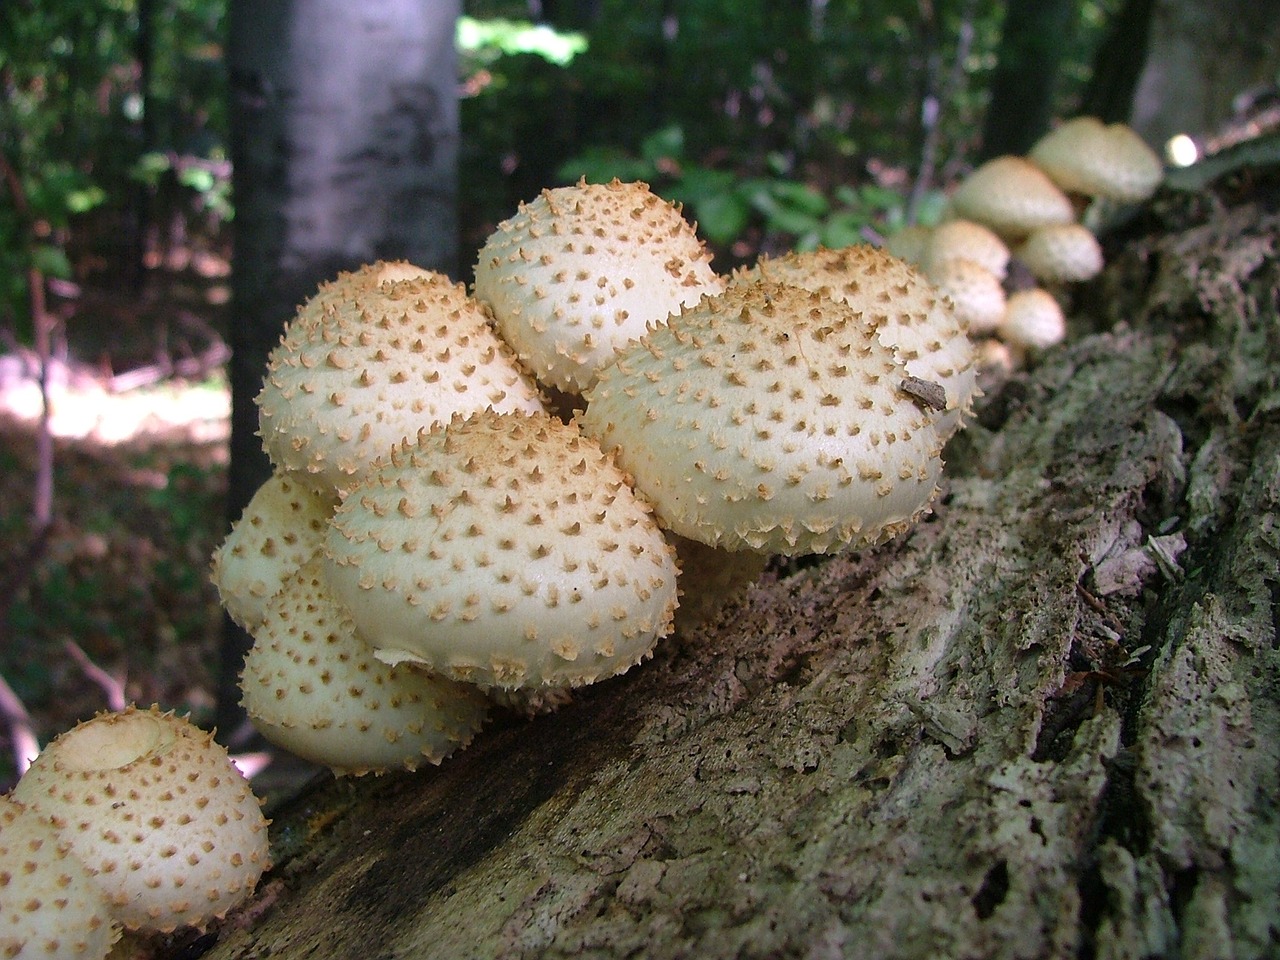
column 1043, row 724
column 1025, row 81
column 344, row 139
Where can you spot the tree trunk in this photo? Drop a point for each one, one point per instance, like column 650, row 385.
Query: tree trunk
column 1201, row 57
column 1025, row 81
column 1043, row 724
column 344, row 140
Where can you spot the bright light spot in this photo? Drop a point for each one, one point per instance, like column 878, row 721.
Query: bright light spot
column 1182, row 150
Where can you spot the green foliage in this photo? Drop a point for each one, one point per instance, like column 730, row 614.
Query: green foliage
column 75, row 122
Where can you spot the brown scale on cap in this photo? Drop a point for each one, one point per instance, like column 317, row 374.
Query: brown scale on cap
column 770, row 418
column 313, row 686
column 157, row 812
column 506, row 550
column 581, row 270
column 50, row 906
column 375, row 367
column 282, row 527
column 924, row 332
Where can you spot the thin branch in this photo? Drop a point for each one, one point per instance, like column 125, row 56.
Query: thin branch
column 112, row 686
column 21, row 732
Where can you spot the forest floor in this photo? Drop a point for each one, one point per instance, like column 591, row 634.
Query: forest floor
column 113, row 603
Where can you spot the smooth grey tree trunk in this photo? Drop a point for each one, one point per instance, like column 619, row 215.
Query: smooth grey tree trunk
column 344, row 123
column 1046, row 723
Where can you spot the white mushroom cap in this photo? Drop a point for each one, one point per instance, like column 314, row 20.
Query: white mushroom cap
column 155, row 809
column 975, row 292
column 1086, row 156
column 1062, row 253
column 924, row 332
column 392, row 358
column 966, row 240
column 580, row 271
column 1032, row 319
column 50, row 906
column 282, row 526
column 353, row 283
column 313, row 686
column 506, row 550
column 770, row 418
column 1012, row 197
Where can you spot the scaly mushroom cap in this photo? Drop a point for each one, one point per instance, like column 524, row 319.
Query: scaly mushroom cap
column 1033, row 319
column 506, row 550
column 1086, row 156
column 966, row 240
column 311, row 685
column 282, row 527
column 922, row 330
column 1062, row 253
column 155, row 809
column 49, row 904
column 1012, row 197
column 581, row 270
column 351, row 283
column 770, row 418
column 389, row 360
column 975, row 292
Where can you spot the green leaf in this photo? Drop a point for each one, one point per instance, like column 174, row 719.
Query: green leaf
column 664, row 144
column 51, row 261
column 722, row 216
column 842, row 229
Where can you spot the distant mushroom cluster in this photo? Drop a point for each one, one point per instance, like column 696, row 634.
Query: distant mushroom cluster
column 1036, row 212
column 493, row 498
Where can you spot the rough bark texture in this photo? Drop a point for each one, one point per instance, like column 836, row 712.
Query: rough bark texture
column 1035, row 727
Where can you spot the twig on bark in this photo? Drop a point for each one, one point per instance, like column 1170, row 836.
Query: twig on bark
column 112, row 686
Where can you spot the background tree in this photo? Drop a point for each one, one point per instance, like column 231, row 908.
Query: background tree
column 344, row 139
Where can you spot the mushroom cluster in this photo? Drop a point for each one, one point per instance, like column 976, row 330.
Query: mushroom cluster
column 133, row 819
column 437, row 540
column 1038, row 213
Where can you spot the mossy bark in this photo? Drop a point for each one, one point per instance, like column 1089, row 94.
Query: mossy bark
column 1044, row 724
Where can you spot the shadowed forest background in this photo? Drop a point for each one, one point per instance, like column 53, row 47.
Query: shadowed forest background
column 778, row 126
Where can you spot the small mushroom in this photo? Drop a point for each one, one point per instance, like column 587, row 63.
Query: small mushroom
column 1061, row 253
column 1088, row 157
column 965, row 240
column 377, row 366
column 155, row 809
column 975, row 292
column 581, row 270
column 506, row 550
column 282, row 527
column 50, row 905
column 1032, row 320
column 1011, row 196
column 313, row 686
column 769, row 418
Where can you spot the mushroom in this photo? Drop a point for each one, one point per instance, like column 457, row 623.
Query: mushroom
column 975, row 292
column 1086, row 156
column 1011, row 196
column 282, row 527
column 710, row 577
column 1061, row 253
column 965, row 240
column 50, row 906
column 506, row 550
column 313, row 686
column 376, row 366
column 1033, row 319
column 581, row 270
column 910, row 318
column 770, row 418
column 352, row 283
column 155, row 809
